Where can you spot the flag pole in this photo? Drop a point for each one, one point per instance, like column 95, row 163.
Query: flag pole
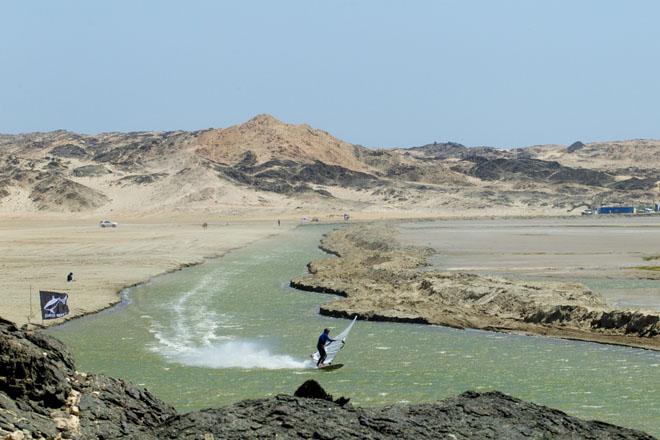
column 30, row 315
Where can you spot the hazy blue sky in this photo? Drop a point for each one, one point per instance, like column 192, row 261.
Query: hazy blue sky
column 378, row 73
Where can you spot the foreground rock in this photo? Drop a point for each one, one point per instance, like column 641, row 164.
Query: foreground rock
column 469, row 416
column 382, row 280
column 42, row 396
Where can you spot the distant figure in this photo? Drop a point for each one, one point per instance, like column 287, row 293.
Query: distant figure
column 205, row 225
column 324, row 339
column 69, row 277
column 278, row 222
column 346, row 216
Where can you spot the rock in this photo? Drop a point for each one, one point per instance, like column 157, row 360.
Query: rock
column 34, row 367
column 536, row 170
column 41, row 392
column 312, row 390
column 90, row 171
column 471, row 415
column 67, row 195
column 575, row 146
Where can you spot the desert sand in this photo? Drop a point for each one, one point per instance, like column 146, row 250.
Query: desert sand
column 37, row 254
column 611, row 255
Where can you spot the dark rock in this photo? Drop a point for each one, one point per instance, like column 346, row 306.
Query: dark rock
column 636, row 184
column 312, row 390
column 575, row 146
column 288, row 177
column 538, row 170
column 90, row 171
column 112, row 407
column 39, row 389
column 248, row 159
column 34, row 368
column 142, row 179
column 621, row 322
column 55, row 190
column 69, row 150
column 471, row 415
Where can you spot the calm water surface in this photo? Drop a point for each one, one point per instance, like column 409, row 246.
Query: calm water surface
column 232, row 329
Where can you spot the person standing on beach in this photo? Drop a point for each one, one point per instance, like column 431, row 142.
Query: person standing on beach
column 324, row 339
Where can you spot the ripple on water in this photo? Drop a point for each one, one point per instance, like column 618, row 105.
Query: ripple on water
column 232, row 329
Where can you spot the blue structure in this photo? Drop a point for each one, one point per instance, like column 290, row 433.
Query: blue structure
column 616, row 210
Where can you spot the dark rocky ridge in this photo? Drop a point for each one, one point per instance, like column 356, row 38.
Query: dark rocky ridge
column 538, row 170
column 471, row 415
column 289, row 177
column 43, row 396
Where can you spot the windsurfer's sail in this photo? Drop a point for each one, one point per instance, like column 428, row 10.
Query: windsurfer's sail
column 333, row 348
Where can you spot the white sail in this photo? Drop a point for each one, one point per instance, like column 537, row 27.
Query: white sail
column 333, row 348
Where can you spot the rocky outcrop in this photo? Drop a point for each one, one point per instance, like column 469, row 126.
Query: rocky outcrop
column 636, row 184
column 66, row 195
column 381, row 280
column 287, row 177
column 577, row 145
column 538, row 170
column 90, row 171
column 42, row 396
column 471, row 415
column 69, row 151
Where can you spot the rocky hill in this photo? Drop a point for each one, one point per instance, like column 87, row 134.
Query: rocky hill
column 42, row 396
column 267, row 165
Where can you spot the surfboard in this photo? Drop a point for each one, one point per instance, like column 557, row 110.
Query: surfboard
column 330, row 367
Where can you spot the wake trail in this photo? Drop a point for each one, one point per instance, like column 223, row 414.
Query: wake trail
column 186, row 332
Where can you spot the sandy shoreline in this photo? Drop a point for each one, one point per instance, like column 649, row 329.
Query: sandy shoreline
column 37, row 254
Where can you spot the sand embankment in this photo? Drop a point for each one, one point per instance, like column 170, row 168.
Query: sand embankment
column 383, row 280
column 38, row 253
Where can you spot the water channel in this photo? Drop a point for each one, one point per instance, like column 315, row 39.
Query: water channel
column 232, row 329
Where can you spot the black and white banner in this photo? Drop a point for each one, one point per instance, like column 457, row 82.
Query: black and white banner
column 53, row 304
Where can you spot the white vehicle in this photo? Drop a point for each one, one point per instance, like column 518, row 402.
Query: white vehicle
column 107, row 224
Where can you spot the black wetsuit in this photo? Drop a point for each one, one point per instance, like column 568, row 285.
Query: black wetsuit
column 320, row 346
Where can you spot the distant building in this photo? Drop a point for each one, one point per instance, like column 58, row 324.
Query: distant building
column 616, row 210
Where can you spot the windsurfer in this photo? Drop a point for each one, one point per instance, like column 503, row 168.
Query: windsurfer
column 324, row 339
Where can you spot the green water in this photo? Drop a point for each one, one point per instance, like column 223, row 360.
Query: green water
column 232, row 329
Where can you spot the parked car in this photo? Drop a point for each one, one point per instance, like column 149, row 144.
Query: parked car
column 107, row 224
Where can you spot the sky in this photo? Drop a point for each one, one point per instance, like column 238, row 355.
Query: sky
column 372, row 72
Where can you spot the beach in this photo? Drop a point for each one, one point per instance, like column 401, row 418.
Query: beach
column 37, row 253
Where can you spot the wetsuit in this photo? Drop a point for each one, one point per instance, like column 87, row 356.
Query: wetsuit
column 320, row 346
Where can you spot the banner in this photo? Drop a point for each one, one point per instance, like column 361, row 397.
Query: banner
column 53, row 304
